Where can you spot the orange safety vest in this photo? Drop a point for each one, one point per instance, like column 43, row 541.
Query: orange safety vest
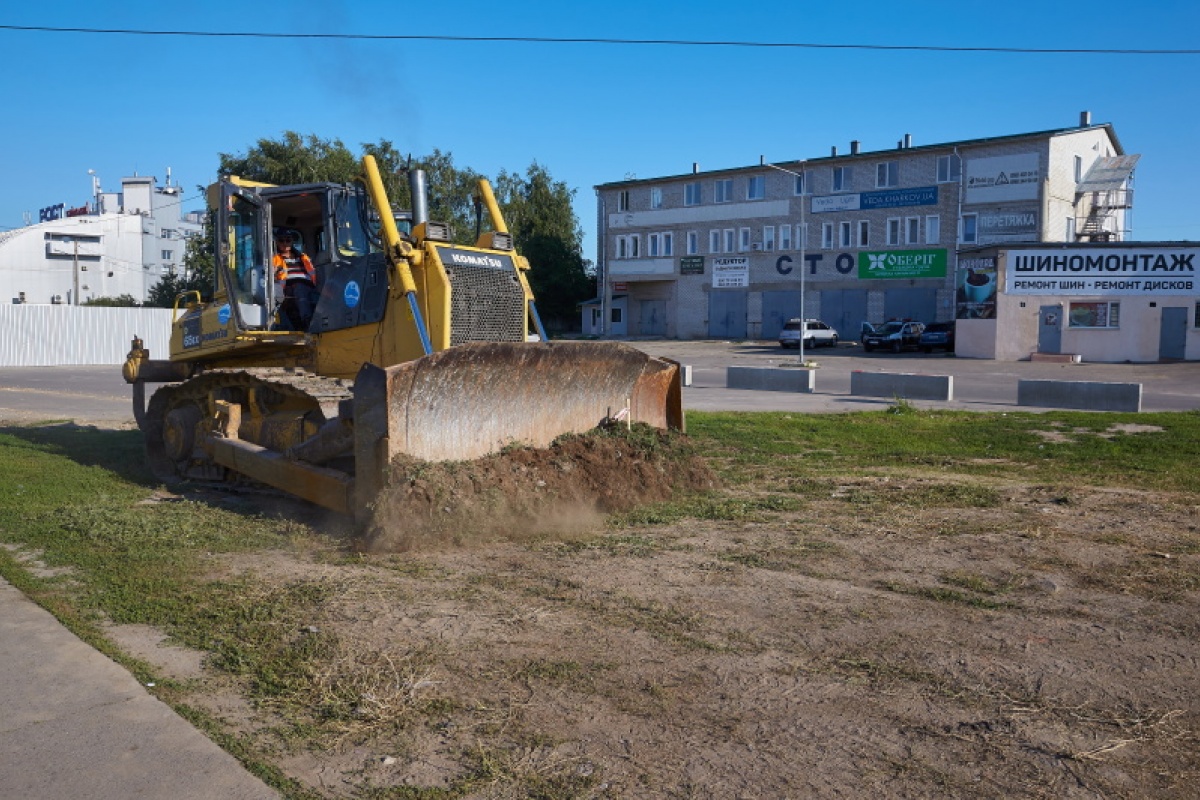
column 294, row 268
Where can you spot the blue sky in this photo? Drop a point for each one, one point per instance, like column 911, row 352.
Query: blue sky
column 590, row 113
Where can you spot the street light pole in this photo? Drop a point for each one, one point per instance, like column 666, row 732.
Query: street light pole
column 803, row 244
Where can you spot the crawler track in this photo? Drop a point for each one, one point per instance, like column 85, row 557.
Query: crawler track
column 170, row 456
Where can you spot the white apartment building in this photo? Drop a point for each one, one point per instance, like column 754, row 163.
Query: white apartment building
column 119, row 243
column 862, row 235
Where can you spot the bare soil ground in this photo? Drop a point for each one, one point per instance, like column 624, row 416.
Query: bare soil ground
column 919, row 635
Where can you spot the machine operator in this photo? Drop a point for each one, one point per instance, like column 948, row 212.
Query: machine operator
column 294, row 273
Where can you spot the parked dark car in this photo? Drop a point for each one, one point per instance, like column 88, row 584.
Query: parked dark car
column 894, row 336
column 938, row 334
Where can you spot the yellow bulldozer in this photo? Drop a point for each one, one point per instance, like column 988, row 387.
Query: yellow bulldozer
column 416, row 346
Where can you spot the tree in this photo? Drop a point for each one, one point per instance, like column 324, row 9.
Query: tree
column 197, row 274
column 120, row 301
column 293, row 159
column 546, row 231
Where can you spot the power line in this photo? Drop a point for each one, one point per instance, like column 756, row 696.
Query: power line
column 611, row 41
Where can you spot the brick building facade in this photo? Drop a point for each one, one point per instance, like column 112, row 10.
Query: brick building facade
column 719, row 254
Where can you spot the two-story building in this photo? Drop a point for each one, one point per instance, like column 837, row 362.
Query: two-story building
column 860, row 235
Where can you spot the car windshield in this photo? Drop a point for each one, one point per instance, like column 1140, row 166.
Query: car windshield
column 891, row 327
column 792, row 326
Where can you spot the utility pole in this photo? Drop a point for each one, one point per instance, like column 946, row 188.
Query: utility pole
column 803, row 242
column 75, row 271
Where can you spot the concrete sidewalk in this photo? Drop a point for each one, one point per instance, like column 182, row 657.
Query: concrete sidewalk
column 75, row 724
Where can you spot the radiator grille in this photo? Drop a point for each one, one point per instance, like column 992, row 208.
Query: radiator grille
column 486, row 305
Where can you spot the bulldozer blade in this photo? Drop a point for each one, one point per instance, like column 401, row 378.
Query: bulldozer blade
column 474, row 399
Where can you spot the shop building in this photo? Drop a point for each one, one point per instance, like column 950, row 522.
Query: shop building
column 859, row 235
column 120, row 243
column 1102, row 302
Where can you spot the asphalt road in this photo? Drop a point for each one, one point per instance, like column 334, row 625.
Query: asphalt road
column 98, row 395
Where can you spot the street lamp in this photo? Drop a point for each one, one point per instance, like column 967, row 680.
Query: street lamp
column 803, row 243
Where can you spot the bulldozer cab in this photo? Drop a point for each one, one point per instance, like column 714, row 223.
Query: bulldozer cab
column 334, row 225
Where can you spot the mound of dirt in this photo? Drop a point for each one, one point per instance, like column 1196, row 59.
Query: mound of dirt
column 526, row 492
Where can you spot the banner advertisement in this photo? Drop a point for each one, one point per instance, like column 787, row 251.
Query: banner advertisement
column 899, row 198
column 1002, row 178
column 975, row 288
column 1104, row 272
column 691, row 265
column 867, row 201
column 731, row 273
column 902, row 264
column 997, row 225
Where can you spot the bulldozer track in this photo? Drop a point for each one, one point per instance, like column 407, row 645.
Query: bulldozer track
column 285, row 382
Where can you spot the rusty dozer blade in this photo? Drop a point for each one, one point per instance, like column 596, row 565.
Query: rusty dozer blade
column 474, row 399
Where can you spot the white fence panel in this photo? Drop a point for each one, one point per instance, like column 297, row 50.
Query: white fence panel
column 50, row 336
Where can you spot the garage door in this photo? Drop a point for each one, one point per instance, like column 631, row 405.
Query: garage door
column 778, row 308
column 845, row 310
column 727, row 314
column 918, row 304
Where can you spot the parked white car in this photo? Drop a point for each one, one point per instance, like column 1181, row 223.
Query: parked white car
column 816, row 333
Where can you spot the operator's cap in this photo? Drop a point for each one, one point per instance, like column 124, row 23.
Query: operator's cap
column 283, row 233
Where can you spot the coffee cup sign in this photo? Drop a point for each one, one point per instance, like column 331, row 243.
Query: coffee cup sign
column 979, row 286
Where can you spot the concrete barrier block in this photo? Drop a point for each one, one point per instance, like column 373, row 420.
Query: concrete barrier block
column 771, row 379
column 1083, row 395
column 906, row 385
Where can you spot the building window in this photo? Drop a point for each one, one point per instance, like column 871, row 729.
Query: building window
column 656, row 197
column 864, row 233
column 826, row 235
column 893, row 231
column 668, row 244
column 785, row 237
column 622, row 247
column 768, row 237
column 1094, row 315
column 912, row 230
column 723, row 190
column 756, row 187
column 691, row 194
column 616, row 315
column 933, row 229
column 623, row 200
column 167, row 233
column 801, row 181
column 693, row 243
column 970, row 229
column 653, row 245
column 844, row 229
column 949, row 169
column 714, row 241
column 1078, row 169
column 744, row 239
column 887, row 174
column 842, row 178
column 634, row 249
column 729, row 240
column 166, row 255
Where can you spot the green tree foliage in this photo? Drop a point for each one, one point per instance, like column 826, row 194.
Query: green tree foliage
column 120, row 301
column 537, row 209
column 197, row 274
column 540, row 216
column 293, row 159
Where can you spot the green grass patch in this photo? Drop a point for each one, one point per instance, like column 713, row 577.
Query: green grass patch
column 778, row 446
